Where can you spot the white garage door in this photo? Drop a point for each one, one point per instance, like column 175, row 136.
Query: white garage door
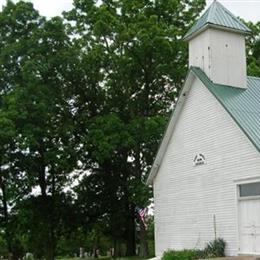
column 249, row 218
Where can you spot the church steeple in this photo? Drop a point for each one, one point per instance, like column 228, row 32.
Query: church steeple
column 217, row 46
column 219, row 17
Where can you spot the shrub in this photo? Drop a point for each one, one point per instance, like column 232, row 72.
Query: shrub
column 215, row 248
column 181, row 255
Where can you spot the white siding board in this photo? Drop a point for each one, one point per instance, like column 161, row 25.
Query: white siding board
column 221, row 55
column 187, row 197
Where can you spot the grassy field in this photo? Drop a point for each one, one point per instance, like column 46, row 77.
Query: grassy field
column 105, row 258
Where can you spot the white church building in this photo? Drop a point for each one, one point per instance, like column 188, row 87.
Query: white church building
column 206, row 175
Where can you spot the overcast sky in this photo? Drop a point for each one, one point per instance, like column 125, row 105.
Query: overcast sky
column 247, row 9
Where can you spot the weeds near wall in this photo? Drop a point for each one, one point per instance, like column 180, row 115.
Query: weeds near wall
column 215, row 248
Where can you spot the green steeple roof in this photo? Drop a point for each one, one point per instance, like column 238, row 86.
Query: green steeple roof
column 217, row 15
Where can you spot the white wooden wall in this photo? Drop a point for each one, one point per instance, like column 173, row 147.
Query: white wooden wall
column 187, row 196
column 222, row 55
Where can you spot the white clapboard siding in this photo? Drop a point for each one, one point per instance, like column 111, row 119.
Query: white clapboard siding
column 221, row 55
column 187, row 196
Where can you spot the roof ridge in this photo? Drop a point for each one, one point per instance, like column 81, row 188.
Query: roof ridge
column 212, row 11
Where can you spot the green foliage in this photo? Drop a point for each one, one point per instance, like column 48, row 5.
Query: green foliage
column 103, row 258
column 84, row 101
column 124, row 97
column 215, row 248
column 37, row 127
column 253, row 50
column 3, row 246
column 150, row 236
column 181, row 255
column 94, row 238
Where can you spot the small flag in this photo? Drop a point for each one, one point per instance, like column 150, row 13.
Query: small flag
column 141, row 214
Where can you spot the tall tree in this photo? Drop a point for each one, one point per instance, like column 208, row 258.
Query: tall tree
column 135, row 61
column 16, row 22
column 35, row 57
column 46, row 132
column 7, row 132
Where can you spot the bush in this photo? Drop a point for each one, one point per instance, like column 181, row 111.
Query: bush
column 215, row 248
column 181, row 255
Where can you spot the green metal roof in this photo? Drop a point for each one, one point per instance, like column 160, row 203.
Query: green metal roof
column 242, row 104
column 217, row 15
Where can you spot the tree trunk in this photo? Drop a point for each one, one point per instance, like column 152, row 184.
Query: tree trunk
column 117, row 249
column 143, row 240
column 49, row 254
column 42, row 182
column 130, row 235
column 47, row 213
column 6, row 217
column 49, row 244
column 52, row 219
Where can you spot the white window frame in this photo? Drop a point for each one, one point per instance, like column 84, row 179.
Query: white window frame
column 250, row 180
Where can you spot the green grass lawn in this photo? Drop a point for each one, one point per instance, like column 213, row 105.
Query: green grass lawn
column 104, row 258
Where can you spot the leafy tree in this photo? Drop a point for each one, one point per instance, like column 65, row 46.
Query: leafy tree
column 17, row 23
column 32, row 226
column 45, row 135
column 3, row 246
column 35, row 59
column 134, row 62
column 14, row 37
column 253, row 50
column 6, row 134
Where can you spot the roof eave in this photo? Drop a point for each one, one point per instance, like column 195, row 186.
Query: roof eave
column 170, row 128
column 214, row 26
